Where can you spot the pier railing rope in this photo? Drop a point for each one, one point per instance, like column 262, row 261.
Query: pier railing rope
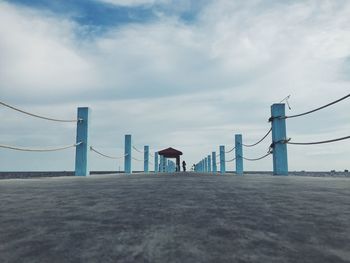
column 231, row 160
column 105, row 155
column 49, row 149
column 231, row 150
column 319, row 142
column 262, row 139
column 136, row 149
column 314, row 110
column 138, row 160
column 36, row 115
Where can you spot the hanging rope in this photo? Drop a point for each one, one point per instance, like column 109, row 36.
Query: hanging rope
column 137, row 149
column 107, row 156
column 231, row 150
column 320, row 108
column 35, row 115
column 230, row 160
column 138, row 160
column 257, row 159
column 24, row 149
column 263, row 138
column 320, row 142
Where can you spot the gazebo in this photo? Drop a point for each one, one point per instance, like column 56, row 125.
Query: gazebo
column 172, row 153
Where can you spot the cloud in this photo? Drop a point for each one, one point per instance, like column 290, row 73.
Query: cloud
column 130, row 2
column 171, row 82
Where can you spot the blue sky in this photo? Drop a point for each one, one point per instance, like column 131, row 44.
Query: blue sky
column 187, row 74
column 105, row 14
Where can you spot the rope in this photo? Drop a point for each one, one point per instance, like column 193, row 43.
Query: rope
column 138, row 160
column 263, row 138
column 320, row 142
column 231, row 150
column 39, row 149
column 35, row 115
column 107, row 156
column 230, row 160
column 320, row 108
column 257, row 159
column 136, row 149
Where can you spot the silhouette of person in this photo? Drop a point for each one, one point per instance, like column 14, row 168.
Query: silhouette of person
column 184, row 166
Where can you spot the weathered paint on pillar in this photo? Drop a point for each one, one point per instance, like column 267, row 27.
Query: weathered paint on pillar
column 156, row 164
column 279, row 135
column 127, row 152
column 213, row 157
column 161, row 163
column 145, row 158
column 222, row 159
column 239, row 154
column 209, row 164
column 206, row 164
column 81, row 151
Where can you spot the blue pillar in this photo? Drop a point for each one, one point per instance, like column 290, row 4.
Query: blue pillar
column 239, row 154
column 156, row 165
column 161, row 163
column 209, row 164
column 81, row 151
column 279, row 135
column 145, row 158
column 213, row 157
column 206, row 164
column 222, row 160
column 127, row 152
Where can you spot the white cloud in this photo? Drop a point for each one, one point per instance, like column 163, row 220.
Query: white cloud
column 131, row 2
column 189, row 85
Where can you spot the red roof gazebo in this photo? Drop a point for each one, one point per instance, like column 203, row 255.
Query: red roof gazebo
column 172, row 153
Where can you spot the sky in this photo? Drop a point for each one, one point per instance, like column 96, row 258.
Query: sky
column 186, row 74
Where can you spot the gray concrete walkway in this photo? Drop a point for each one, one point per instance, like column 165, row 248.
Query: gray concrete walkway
column 182, row 218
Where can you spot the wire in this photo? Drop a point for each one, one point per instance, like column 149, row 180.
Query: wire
column 39, row 149
column 138, row 160
column 320, row 142
column 137, row 149
column 231, row 150
column 107, row 156
column 257, row 159
column 263, row 138
column 35, row 115
column 320, row 108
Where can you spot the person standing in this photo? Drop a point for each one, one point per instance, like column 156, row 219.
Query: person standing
column 184, row 166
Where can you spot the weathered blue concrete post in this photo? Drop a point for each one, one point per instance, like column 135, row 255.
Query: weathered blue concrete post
column 145, row 158
column 239, row 154
column 222, row 159
column 161, row 164
column 127, row 152
column 209, row 164
column 156, row 165
column 279, row 136
column 206, row 164
column 81, row 151
column 213, row 157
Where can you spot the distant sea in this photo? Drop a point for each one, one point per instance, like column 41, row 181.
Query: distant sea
column 27, row 175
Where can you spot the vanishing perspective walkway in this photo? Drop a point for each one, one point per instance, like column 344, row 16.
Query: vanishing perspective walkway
column 175, row 218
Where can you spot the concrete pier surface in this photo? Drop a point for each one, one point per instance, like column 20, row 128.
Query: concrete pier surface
column 183, row 218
